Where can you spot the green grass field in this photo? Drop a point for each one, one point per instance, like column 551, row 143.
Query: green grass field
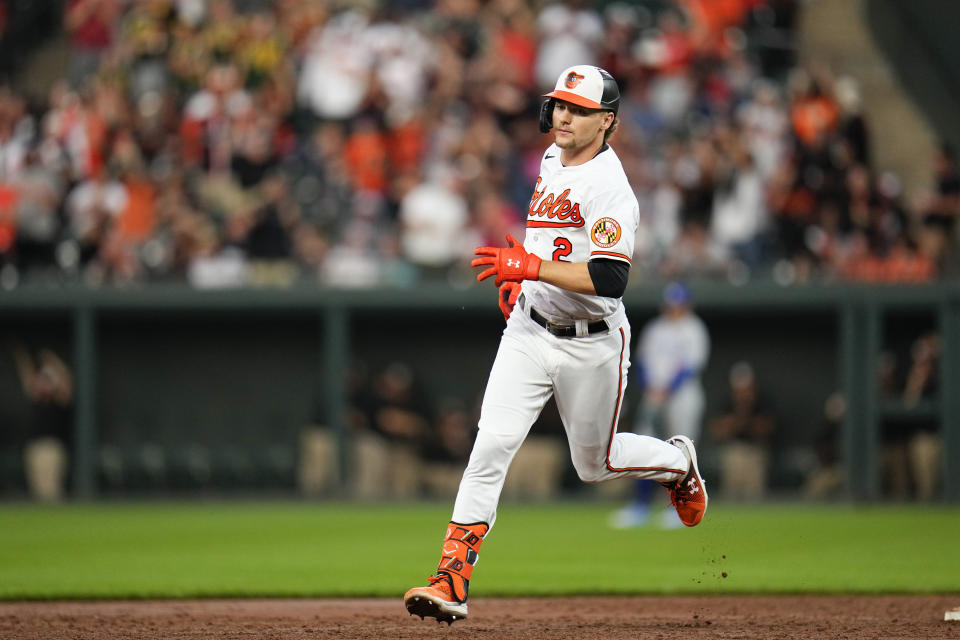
column 294, row 549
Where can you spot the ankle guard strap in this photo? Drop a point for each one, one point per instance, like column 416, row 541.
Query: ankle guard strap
column 460, row 551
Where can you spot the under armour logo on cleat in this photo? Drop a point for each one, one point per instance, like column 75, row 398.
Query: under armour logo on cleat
column 513, row 263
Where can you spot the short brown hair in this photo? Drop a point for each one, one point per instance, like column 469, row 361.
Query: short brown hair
column 610, row 131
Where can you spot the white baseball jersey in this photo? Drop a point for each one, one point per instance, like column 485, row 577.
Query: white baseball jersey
column 578, row 214
column 671, row 346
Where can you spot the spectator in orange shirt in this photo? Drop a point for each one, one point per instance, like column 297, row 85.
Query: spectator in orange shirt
column 905, row 264
column 711, row 19
column 365, row 151
column 813, row 112
column 136, row 220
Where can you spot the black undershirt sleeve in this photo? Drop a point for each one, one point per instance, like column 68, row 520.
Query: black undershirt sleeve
column 609, row 277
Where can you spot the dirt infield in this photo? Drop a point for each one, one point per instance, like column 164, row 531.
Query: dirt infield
column 647, row 617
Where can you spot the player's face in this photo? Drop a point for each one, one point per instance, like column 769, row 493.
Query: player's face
column 675, row 311
column 576, row 127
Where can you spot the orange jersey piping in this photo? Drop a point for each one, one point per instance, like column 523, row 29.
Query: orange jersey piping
column 611, row 254
column 538, row 223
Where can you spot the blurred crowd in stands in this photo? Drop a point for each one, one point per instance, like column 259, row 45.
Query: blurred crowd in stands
column 360, row 143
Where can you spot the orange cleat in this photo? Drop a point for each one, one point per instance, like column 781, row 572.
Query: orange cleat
column 436, row 600
column 445, row 597
column 689, row 494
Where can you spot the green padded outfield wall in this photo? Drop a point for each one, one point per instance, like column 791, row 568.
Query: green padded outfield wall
column 181, row 390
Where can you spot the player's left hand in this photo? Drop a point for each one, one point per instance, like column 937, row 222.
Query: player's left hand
column 511, row 264
column 509, row 292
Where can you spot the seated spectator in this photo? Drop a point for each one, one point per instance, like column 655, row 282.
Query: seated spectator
column 446, row 449
column 911, row 455
column 48, row 384
column 743, row 430
column 319, row 469
column 825, row 479
column 386, row 459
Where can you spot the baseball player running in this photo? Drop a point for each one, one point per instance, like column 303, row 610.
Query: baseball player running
column 569, row 336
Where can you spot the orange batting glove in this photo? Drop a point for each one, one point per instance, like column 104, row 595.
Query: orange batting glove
column 511, row 264
column 509, row 292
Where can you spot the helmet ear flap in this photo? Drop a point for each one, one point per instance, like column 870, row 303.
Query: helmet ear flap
column 546, row 115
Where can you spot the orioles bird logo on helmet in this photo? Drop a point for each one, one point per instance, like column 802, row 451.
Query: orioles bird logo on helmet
column 573, row 79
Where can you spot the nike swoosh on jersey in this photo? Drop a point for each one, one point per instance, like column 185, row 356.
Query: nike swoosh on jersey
column 548, row 157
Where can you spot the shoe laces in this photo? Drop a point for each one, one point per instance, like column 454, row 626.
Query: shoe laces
column 685, row 488
column 439, row 577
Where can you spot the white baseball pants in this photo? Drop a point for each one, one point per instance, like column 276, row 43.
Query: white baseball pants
column 588, row 376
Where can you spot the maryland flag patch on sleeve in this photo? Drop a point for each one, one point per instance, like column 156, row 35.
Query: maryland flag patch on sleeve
column 605, row 232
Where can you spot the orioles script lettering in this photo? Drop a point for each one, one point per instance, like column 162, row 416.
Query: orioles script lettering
column 557, row 210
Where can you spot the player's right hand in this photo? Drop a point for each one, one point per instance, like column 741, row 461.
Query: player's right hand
column 509, row 292
column 511, row 264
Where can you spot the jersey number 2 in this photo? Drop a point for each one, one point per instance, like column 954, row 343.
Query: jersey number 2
column 564, row 248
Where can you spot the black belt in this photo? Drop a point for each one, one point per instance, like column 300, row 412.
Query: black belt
column 563, row 330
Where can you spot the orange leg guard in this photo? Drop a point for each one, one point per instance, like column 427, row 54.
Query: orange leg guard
column 460, row 549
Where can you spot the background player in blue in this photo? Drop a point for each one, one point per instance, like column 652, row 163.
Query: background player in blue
column 671, row 355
